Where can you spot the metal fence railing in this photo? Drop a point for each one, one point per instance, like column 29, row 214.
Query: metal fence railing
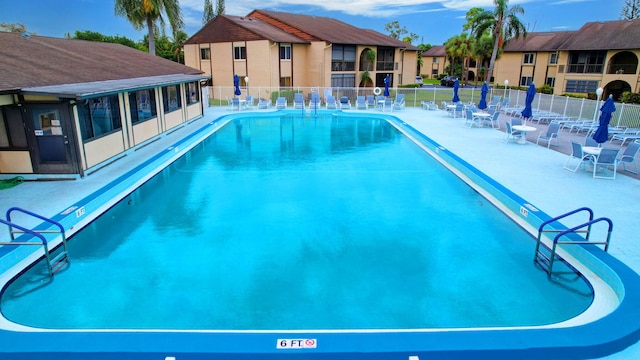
column 579, row 108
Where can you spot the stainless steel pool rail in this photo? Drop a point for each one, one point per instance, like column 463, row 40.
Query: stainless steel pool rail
column 54, row 264
column 544, row 257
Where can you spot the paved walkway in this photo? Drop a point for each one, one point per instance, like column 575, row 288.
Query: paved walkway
column 533, row 172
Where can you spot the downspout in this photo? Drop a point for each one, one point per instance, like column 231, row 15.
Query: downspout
column 322, row 66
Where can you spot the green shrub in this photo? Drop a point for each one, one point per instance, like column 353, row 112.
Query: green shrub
column 409, row 86
column 630, row 97
column 545, row 89
column 287, row 94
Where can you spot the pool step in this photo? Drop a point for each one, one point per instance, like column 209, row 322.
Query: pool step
column 545, row 258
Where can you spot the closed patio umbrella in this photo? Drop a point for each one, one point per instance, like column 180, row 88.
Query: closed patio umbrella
column 387, row 80
column 455, row 98
column 483, row 96
column 528, row 100
column 602, row 133
column 236, row 84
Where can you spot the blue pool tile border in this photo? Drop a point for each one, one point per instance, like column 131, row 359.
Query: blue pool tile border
column 609, row 334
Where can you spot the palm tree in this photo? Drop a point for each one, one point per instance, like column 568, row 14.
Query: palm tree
column 504, row 25
column 145, row 13
column 459, row 46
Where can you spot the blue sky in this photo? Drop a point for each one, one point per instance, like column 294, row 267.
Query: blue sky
column 434, row 21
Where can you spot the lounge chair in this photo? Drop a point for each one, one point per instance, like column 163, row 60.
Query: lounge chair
column 249, row 102
column 345, row 103
column 398, row 104
column 429, row 105
column 629, row 157
column 315, row 102
column 371, row 101
column 331, row 103
column 235, row 104
column 549, row 135
column 264, row 104
column 628, row 134
column 361, row 103
column 384, row 104
column 576, row 155
column 606, row 160
column 298, row 101
column 281, row 103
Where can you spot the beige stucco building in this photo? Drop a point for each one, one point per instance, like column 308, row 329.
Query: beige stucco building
column 278, row 50
column 69, row 107
column 598, row 55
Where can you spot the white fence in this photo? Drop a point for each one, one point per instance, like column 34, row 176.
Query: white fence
column 626, row 114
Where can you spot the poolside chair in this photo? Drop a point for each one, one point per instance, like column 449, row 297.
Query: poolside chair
column 345, row 103
column 606, row 160
column 398, row 104
column 235, row 104
column 371, row 101
column 493, row 120
column 331, row 103
column 429, row 105
column 458, row 110
column 229, row 103
column 249, row 102
column 471, row 120
column 384, row 104
column 264, row 104
column 629, row 157
column 298, row 101
column 281, row 103
column 576, row 155
column 549, row 135
column 512, row 135
column 314, row 102
column 588, row 141
column 361, row 103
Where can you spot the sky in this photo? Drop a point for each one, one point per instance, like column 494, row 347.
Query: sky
column 434, row 21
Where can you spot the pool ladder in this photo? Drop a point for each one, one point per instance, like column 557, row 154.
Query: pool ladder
column 54, row 264
column 545, row 257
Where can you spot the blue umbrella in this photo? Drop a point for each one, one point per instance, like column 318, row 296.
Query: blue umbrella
column 386, row 85
column 236, row 84
column 456, row 85
column 602, row 133
column 483, row 97
column 528, row 100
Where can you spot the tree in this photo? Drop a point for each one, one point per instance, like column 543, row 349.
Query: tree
column 631, row 10
column 208, row 13
column 394, row 29
column 146, row 13
column 13, row 27
column 423, row 48
column 219, row 7
column 96, row 36
column 459, row 47
column 504, row 25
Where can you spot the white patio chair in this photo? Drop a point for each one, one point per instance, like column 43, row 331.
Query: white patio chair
column 549, row 135
column 578, row 156
column 606, row 160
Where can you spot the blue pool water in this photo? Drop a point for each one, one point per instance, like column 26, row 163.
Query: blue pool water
column 299, row 223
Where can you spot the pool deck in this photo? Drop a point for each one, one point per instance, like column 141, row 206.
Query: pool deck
column 533, row 172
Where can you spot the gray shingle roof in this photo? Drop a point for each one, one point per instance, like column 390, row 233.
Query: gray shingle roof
column 226, row 28
column 607, row 35
column 40, row 61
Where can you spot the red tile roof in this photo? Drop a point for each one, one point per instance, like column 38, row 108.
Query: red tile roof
column 437, row 50
column 40, row 61
column 226, row 28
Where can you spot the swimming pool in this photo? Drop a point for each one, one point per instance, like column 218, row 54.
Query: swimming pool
column 392, row 334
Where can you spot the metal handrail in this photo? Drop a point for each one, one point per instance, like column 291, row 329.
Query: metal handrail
column 573, row 229
column 37, row 233
column 547, row 222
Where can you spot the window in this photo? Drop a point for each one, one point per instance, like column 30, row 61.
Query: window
column 586, row 62
column 434, row 71
column 12, row 132
column 239, row 53
column 553, row 58
column 171, row 100
column 346, row 80
column 142, row 105
column 99, row 116
column 581, row 86
column 385, row 59
column 285, row 52
column 191, row 90
column 205, row 54
column 343, row 58
column 285, row 81
column 526, row 80
column 435, row 60
column 551, row 81
column 528, row 58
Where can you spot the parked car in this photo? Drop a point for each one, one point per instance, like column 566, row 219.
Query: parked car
column 448, row 80
column 419, row 80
